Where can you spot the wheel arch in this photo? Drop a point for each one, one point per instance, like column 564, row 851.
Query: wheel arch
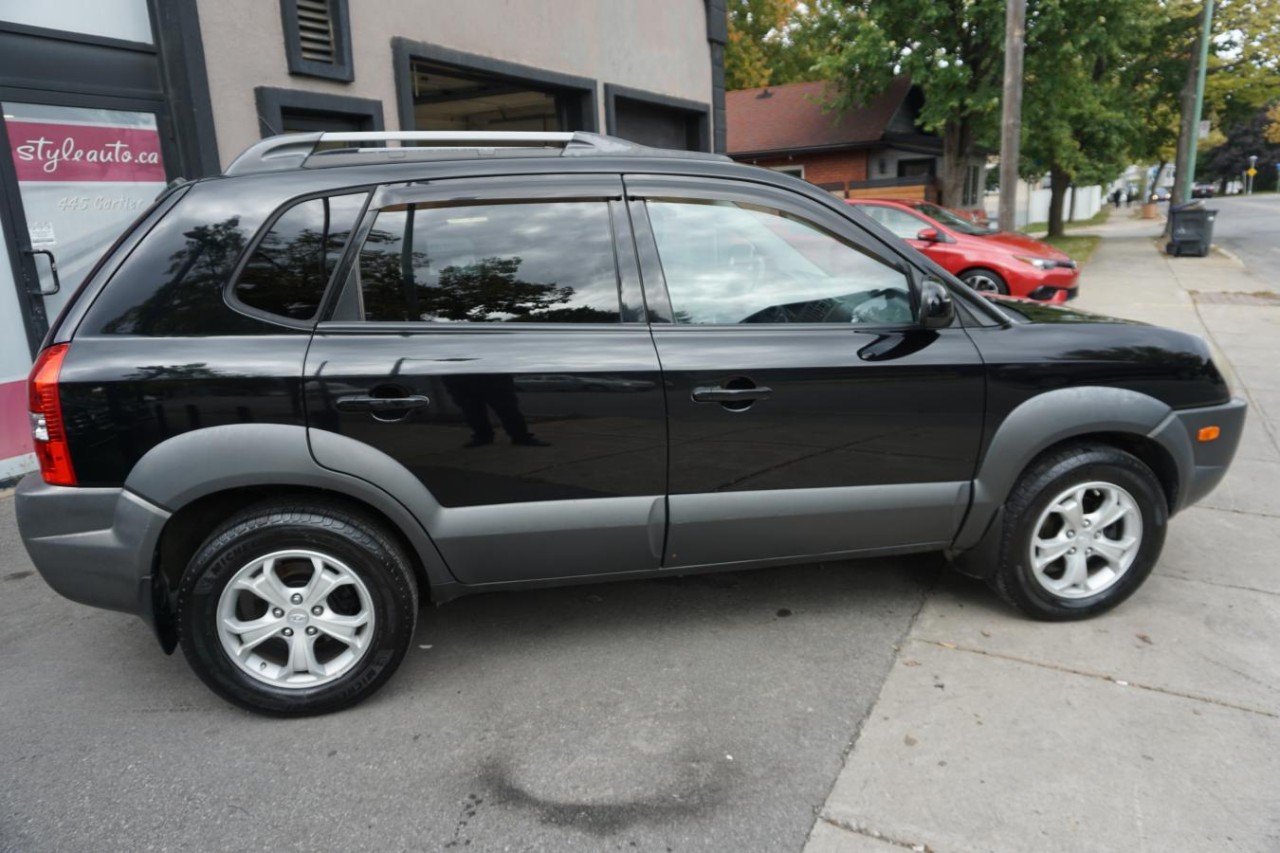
column 202, row 477
column 1120, row 417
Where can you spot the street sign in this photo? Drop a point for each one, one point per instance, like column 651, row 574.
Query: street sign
column 1251, row 171
column 1204, row 130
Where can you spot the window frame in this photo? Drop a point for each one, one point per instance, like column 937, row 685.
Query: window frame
column 640, row 188
column 343, row 68
column 531, row 189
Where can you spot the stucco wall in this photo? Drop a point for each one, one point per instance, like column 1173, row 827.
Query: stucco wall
column 659, row 46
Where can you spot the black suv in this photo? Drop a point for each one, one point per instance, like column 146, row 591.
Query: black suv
column 295, row 401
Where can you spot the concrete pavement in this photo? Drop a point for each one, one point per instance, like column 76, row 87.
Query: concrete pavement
column 1154, row 727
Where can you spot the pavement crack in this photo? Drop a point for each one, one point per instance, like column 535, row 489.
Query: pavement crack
column 1187, row 579
column 1195, row 697
column 868, row 832
column 1247, row 512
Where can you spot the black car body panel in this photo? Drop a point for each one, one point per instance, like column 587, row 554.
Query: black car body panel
column 626, row 445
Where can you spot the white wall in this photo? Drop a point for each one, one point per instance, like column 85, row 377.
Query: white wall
column 659, row 46
column 1033, row 204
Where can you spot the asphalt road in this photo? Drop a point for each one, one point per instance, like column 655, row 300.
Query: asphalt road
column 707, row 713
column 1249, row 227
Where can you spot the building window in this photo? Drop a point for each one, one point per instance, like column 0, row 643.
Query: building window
column 317, row 38
column 793, row 171
column 922, row 167
column 444, row 89
column 657, row 120
column 291, row 111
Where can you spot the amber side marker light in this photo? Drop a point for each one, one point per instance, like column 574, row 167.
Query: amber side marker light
column 1208, row 433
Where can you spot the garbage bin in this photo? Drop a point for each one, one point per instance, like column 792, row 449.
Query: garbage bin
column 1191, row 229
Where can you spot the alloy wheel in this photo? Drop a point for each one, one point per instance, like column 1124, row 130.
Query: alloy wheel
column 295, row 619
column 1086, row 539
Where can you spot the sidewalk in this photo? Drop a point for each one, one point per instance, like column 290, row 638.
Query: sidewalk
column 1154, row 727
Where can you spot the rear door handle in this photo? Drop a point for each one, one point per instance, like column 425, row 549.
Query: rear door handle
column 378, row 405
column 730, row 395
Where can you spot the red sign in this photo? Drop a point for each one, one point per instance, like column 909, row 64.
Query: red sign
column 50, row 151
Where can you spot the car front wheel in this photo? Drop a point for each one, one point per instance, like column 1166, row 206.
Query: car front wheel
column 291, row 609
column 1083, row 528
column 985, row 281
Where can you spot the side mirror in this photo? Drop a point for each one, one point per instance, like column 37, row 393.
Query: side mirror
column 936, row 310
column 928, row 235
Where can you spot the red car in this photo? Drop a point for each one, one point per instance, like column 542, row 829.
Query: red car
column 988, row 261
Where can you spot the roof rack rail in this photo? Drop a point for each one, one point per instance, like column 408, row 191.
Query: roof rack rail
column 293, row 150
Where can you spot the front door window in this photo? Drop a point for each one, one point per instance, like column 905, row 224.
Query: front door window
column 731, row 262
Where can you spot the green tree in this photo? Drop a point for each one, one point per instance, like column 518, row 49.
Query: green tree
column 1248, row 139
column 951, row 49
column 769, row 44
column 1085, row 60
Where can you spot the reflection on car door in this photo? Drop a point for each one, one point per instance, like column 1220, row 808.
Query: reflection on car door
column 489, row 338
column 809, row 412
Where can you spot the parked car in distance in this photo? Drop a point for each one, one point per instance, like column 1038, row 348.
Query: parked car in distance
column 1203, row 189
column 266, row 422
column 1160, row 194
column 997, row 262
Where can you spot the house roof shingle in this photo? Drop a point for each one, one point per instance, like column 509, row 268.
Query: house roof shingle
column 793, row 116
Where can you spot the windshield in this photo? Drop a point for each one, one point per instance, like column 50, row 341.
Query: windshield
column 951, row 220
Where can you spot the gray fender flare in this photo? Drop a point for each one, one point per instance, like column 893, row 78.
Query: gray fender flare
column 1052, row 417
column 199, row 463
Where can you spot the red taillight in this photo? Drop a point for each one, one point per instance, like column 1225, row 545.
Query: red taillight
column 46, row 418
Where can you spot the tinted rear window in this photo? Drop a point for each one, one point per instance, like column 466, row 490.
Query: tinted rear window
column 550, row 262
column 175, row 283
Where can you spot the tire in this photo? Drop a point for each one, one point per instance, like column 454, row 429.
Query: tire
column 329, row 578
column 1041, row 529
column 985, row 281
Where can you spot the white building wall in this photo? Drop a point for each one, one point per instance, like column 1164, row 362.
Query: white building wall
column 1033, row 204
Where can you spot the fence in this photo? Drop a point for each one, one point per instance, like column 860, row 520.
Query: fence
column 1033, row 204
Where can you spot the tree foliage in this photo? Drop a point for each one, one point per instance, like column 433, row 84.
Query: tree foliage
column 1254, row 138
column 952, row 49
column 769, row 44
column 1085, row 64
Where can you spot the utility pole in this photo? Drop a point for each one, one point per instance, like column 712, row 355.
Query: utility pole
column 1015, row 39
column 1194, row 136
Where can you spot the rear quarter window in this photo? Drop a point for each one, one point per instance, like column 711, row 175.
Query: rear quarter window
column 175, row 282
column 287, row 272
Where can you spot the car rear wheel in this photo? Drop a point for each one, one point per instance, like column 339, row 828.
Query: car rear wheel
column 985, row 281
column 1082, row 530
column 291, row 609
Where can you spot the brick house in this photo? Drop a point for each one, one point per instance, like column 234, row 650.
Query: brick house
column 873, row 151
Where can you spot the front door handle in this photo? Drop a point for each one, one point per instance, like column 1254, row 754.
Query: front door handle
column 381, row 405
column 730, row 395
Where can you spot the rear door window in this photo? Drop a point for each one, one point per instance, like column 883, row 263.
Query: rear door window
column 495, row 262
